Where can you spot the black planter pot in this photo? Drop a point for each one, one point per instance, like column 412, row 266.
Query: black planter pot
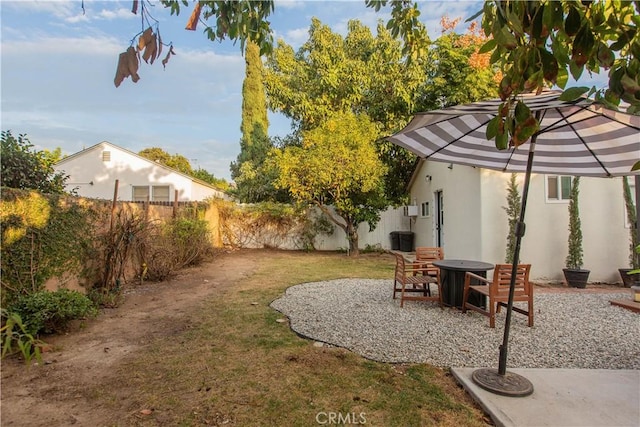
column 576, row 278
column 629, row 280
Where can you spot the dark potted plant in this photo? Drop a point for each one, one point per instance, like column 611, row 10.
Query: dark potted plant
column 629, row 280
column 574, row 274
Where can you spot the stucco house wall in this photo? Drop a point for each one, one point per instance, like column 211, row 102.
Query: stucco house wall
column 476, row 227
column 93, row 172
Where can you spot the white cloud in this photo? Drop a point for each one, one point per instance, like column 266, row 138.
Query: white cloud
column 120, row 13
column 289, row 4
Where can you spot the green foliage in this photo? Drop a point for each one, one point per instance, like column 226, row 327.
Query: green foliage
column 204, row 175
column 24, row 167
column 338, row 168
column 190, row 240
column 163, row 249
column 44, row 237
column 514, row 204
column 630, row 208
column 241, row 20
column 455, row 73
column 175, row 161
column 574, row 257
column 538, row 44
column 50, row 312
column 363, row 73
column 15, row 338
column 254, row 103
column 252, row 174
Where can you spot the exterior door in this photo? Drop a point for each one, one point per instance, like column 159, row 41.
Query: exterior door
column 439, row 217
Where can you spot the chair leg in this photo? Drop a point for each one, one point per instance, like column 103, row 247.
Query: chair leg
column 402, row 296
column 492, row 314
column 465, row 295
column 530, row 314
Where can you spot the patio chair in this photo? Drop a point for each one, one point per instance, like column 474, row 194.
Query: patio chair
column 425, row 257
column 410, row 279
column 497, row 291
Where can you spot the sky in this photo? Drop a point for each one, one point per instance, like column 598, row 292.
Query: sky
column 58, row 63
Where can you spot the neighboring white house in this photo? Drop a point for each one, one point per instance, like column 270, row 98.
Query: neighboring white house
column 94, row 171
column 461, row 209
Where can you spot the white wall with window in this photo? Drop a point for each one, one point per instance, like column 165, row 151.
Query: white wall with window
column 476, row 223
column 94, row 171
column 558, row 188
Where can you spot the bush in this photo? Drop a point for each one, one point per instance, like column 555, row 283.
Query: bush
column 15, row 338
column 49, row 312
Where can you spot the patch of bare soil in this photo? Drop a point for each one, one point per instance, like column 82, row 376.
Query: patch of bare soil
column 56, row 394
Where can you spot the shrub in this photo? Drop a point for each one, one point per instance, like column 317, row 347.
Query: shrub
column 15, row 338
column 49, row 312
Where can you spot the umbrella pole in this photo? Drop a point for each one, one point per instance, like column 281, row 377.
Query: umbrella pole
column 500, row 381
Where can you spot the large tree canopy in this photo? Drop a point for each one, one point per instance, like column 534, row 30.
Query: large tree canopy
column 365, row 73
column 358, row 73
column 337, row 166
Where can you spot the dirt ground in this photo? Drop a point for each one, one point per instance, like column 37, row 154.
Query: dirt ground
column 54, row 394
column 57, row 394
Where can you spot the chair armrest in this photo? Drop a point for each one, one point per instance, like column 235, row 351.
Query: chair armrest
column 468, row 276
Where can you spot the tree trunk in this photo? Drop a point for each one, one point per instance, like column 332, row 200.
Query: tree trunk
column 352, row 235
column 349, row 228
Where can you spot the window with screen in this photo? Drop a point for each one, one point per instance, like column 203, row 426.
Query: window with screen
column 558, row 188
column 160, row 193
column 140, row 193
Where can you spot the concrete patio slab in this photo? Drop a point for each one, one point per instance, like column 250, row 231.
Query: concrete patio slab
column 563, row 397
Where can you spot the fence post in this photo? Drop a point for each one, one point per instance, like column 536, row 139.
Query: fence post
column 175, row 204
column 113, row 204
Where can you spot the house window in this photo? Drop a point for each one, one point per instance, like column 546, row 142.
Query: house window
column 424, row 209
column 558, row 188
column 160, row 193
column 140, row 193
column 106, row 156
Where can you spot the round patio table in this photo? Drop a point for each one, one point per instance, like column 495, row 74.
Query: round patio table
column 452, row 277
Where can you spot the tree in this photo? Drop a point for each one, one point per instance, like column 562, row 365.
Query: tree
column 254, row 99
column 251, row 178
column 575, row 252
column 208, row 177
column 536, row 43
column 358, row 73
column 455, row 72
column 26, row 168
column 175, row 161
column 630, row 209
column 513, row 207
column 539, row 43
column 336, row 167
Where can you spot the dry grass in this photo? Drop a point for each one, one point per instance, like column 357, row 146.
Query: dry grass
column 232, row 363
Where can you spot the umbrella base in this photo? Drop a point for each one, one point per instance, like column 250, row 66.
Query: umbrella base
column 509, row 384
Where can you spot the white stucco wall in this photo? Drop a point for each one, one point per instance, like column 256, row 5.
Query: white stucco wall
column 476, row 223
column 390, row 220
column 130, row 170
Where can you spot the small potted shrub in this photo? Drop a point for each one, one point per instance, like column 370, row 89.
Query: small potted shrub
column 574, row 274
column 629, row 280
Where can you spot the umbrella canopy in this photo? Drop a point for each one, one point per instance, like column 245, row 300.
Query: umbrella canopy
column 579, row 138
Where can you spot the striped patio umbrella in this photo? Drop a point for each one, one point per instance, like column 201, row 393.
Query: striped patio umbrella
column 579, row 138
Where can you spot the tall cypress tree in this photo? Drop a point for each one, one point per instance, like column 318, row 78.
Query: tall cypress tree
column 254, row 99
column 252, row 182
column 513, row 207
